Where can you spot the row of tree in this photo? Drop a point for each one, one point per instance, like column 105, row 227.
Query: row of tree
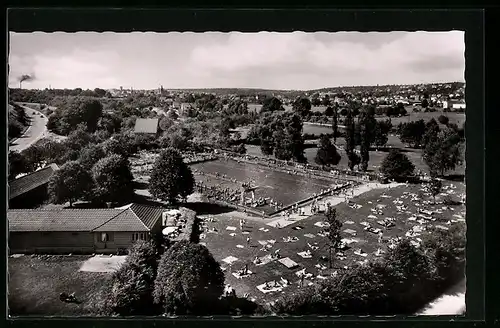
column 442, row 145
column 184, row 280
column 367, row 131
column 279, row 134
column 18, row 121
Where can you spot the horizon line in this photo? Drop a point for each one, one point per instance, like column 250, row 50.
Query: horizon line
column 247, row 88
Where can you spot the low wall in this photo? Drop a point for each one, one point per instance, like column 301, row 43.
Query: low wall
column 238, row 207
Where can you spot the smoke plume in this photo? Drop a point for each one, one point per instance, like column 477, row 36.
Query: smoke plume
column 26, row 77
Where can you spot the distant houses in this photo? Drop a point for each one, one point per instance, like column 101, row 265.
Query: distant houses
column 453, row 105
column 30, row 190
column 86, row 231
column 147, row 126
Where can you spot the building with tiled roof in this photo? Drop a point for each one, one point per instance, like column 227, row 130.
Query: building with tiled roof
column 31, row 190
column 71, row 230
column 148, row 126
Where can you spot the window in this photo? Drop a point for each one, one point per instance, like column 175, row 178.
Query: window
column 142, row 236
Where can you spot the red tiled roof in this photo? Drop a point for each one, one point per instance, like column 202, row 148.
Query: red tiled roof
column 146, row 125
column 31, row 181
column 135, row 218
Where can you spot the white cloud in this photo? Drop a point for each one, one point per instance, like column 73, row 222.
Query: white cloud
column 268, row 50
column 81, row 68
column 264, row 60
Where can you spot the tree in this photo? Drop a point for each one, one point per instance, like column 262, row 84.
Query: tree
column 329, row 111
column 443, row 153
column 189, row 280
column 283, row 147
column 116, row 146
column 34, row 157
column 293, row 126
column 70, row 183
column 365, row 140
column 381, row 132
column 90, row 155
column 425, row 103
column 431, row 132
column 411, row 269
column 349, row 134
column 327, row 153
column 272, row 104
column 79, row 138
column 165, row 123
column 353, row 160
column 133, row 284
column 172, row 115
column 443, row 119
column 171, row 177
column 447, row 251
column 397, row 165
column 435, row 186
column 302, row 106
column 334, row 226
column 177, row 137
column 335, row 126
column 15, row 129
column 17, row 164
column 110, row 123
column 112, row 179
column 326, row 100
column 412, row 133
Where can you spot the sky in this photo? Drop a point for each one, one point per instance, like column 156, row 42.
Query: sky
column 267, row 60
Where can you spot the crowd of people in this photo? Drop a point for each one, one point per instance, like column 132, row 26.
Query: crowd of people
column 219, row 193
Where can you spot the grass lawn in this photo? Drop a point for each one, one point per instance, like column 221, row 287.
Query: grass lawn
column 457, row 118
column 36, row 282
column 223, row 244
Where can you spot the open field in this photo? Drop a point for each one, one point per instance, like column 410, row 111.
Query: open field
column 35, row 283
column 222, row 244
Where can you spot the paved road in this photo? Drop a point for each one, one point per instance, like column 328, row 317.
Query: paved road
column 35, row 131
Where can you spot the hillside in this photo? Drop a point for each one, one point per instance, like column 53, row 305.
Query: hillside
column 18, row 121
